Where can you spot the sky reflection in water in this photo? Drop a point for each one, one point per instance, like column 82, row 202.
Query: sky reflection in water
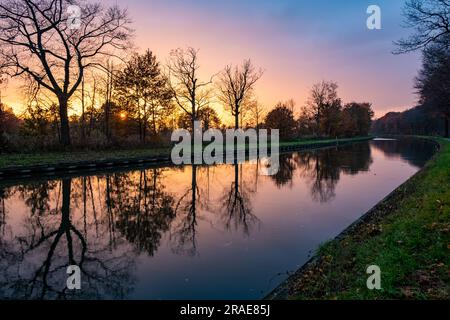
column 190, row 232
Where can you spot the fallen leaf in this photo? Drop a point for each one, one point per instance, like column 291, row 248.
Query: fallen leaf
column 408, row 292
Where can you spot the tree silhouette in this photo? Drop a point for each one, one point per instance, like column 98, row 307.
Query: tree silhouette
column 433, row 82
column 430, row 20
column 144, row 92
column 281, row 118
column 324, row 108
column 39, row 41
column 190, row 94
column 236, row 85
column 356, row 119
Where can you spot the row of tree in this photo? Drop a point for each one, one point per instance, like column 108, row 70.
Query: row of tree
column 430, row 20
column 128, row 98
column 323, row 116
column 143, row 111
column 60, row 59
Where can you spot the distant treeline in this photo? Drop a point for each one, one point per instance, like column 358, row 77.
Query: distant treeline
column 415, row 121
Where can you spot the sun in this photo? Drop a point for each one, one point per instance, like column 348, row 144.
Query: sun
column 123, row 115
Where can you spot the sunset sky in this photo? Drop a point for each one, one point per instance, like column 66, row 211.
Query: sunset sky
column 297, row 43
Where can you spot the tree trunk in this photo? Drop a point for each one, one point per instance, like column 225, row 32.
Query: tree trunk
column 140, row 128
column 64, row 118
column 144, row 130
column 107, row 125
column 446, row 126
column 83, row 112
column 194, row 191
column 154, row 121
column 236, row 117
column 192, row 126
column 236, row 178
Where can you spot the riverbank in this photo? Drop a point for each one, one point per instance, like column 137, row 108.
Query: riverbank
column 407, row 235
column 36, row 163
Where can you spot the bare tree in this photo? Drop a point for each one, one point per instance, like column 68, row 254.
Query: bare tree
column 108, row 94
column 236, row 84
column 39, row 40
column 433, row 83
column 190, row 94
column 323, row 106
column 92, row 95
column 256, row 113
column 431, row 21
column 2, row 83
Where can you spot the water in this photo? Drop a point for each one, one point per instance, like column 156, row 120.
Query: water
column 190, row 232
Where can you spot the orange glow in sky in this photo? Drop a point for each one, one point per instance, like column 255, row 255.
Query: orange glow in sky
column 297, row 43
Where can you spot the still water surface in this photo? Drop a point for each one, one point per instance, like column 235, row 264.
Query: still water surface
column 190, row 232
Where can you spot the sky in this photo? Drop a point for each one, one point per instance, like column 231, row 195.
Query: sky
column 296, row 42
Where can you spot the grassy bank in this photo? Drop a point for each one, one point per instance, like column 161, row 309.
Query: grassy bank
column 319, row 141
column 407, row 236
column 52, row 158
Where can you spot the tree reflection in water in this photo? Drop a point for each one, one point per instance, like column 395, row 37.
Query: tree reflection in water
column 285, row 172
column 141, row 209
column 323, row 168
column 34, row 263
column 183, row 233
column 101, row 223
column 414, row 151
column 236, row 204
column 3, row 195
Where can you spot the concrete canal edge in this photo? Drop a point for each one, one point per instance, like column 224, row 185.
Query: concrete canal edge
column 71, row 167
column 282, row 291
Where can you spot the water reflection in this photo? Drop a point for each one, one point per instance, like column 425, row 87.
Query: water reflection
column 103, row 223
column 3, row 196
column 34, row 257
column 236, row 203
column 184, row 231
column 322, row 168
column 414, row 151
column 140, row 209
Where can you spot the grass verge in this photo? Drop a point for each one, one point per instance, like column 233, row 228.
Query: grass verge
column 407, row 236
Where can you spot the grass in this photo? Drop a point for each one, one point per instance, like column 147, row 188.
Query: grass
column 321, row 141
column 30, row 159
column 52, row 158
column 407, row 236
